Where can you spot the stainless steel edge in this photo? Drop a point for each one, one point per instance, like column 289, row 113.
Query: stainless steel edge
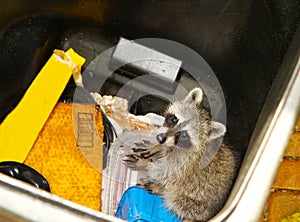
column 22, row 202
column 273, row 146
column 268, row 143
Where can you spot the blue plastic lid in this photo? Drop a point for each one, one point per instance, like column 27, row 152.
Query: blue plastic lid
column 138, row 205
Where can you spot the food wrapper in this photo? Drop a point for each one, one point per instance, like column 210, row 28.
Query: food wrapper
column 116, row 177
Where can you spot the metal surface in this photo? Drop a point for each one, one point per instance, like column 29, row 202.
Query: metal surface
column 268, row 142
column 157, row 63
column 243, row 41
column 136, row 60
column 21, row 202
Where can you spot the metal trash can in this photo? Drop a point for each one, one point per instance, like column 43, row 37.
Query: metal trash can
column 253, row 48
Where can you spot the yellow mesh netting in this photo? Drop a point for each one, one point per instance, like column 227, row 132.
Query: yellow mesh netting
column 73, row 173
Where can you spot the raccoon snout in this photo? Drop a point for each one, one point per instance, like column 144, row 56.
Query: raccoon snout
column 161, row 138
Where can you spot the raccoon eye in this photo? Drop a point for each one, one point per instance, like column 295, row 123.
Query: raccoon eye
column 182, row 139
column 184, row 135
column 161, row 138
column 171, row 120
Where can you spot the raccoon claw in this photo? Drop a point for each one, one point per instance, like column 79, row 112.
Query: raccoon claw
column 147, row 185
column 139, row 157
column 130, row 158
column 148, row 154
column 138, row 150
column 135, row 162
column 142, row 153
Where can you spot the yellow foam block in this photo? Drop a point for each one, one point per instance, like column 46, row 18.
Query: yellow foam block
column 73, row 172
column 21, row 127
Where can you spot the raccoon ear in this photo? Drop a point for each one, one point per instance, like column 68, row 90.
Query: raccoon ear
column 195, row 96
column 217, row 130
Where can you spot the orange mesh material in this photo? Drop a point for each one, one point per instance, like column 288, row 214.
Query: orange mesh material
column 73, row 172
column 284, row 200
column 293, row 149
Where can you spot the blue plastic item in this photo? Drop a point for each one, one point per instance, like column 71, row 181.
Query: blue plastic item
column 138, row 205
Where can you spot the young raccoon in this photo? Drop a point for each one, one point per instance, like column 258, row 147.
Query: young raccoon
column 174, row 165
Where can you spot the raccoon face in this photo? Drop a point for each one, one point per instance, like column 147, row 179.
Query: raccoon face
column 180, row 138
column 175, row 134
column 171, row 120
column 187, row 126
column 181, row 121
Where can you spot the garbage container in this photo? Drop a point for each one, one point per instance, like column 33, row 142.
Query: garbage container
column 246, row 44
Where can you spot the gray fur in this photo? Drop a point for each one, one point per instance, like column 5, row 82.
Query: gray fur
column 192, row 192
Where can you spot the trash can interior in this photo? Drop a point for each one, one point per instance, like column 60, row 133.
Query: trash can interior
column 243, row 41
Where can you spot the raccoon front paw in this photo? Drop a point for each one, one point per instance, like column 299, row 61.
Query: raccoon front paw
column 135, row 162
column 146, row 184
column 137, row 159
column 144, row 153
column 139, row 156
column 151, row 187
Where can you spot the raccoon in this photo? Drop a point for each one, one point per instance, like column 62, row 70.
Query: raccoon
column 174, row 165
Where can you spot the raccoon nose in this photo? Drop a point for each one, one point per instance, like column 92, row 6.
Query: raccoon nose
column 161, row 138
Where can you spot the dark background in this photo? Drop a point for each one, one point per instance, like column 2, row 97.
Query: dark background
column 243, row 41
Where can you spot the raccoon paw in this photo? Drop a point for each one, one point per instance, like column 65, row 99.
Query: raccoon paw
column 146, row 153
column 135, row 162
column 139, row 157
column 146, row 184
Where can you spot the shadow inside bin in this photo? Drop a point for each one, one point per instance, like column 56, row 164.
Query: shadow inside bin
column 243, row 41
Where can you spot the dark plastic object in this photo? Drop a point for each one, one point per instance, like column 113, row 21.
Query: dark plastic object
column 138, row 205
column 25, row 173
